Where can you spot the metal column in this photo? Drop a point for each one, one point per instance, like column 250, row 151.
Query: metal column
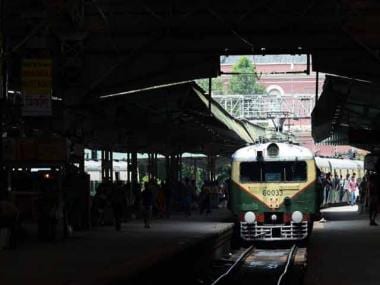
column 129, row 167
column 179, row 166
column 107, row 167
column 211, row 167
column 134, row 169
column 167, row 169
column 3, row 97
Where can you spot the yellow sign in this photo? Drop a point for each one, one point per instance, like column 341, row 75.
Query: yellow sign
column 36, row 77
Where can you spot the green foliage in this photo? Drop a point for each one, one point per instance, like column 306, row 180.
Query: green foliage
column 244, row 82
column 217, row 86
column 223, row 172
column 188, row 171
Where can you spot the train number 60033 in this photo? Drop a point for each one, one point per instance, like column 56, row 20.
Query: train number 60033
column 272, row 192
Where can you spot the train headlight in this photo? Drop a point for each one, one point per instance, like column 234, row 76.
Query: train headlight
column 273, row 218
column 297, row 217
column 273, row 149
column 250, row 217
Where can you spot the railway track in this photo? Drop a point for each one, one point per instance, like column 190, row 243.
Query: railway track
column 264, row 267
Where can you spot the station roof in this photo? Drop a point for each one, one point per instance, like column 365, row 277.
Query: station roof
column 348, row 112
column 171, row 119
column 110, row 46
column 127, row 45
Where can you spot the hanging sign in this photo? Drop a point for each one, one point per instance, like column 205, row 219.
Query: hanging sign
column 36, row 77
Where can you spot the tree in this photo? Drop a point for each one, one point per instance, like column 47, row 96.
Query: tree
column 217, row 86
column 244, row 82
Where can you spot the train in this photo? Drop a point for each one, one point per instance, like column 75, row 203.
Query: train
column 94, row 169
column 274, row 189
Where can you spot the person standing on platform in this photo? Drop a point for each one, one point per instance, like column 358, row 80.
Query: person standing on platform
column 168, row 197
column 147, row 199
column 373, row 199
column 187, row 195
column 100, row 202
column 9, row 220
column 346, row 191
column 205, row 203
column 327, row 189
column 118, row 204
column 341, row 190
column 336, row 188
column 363, row 193
column 161, row 200
column 352, row 185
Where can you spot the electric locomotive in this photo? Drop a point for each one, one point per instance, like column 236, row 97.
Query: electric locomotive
column 273, row 191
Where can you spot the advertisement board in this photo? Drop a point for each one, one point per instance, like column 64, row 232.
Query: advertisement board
column 36, row 77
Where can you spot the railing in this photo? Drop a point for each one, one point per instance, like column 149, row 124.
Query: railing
column 266, row 106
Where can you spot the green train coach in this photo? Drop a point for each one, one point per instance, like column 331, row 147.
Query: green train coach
column 273, row 191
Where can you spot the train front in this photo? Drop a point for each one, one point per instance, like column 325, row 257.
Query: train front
column 273, row 191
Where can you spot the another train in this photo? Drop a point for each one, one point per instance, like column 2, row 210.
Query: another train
column 274, row 189
column 94, row 169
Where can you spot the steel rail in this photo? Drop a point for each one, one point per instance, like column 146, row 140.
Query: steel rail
column 290, row 258
column 237, row 262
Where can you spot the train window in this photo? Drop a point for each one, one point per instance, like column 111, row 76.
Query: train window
column 273, row 171
column 250, row 171
column 296, row 171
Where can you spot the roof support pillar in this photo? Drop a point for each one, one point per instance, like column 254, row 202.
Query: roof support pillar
column 316, row 87
column 152, row 165
column 179, row 165
column 175, row 167
column 209, row 93
column 211, row 167
column 135, row 189
column 195, row 167
column 107, row 168
column 167, row 169
column 3, row 96
column 129, row 167
column 94, row 154
column 155, row 165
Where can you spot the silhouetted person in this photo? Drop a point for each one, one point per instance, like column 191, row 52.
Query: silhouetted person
column 363, row 193
column 205, row 203
column 48, row 210
column 327, row 189
column 117, row 203
column 187, row 195
column 147, row 199
column 373, row 199
column 167, row 188
column 100, row 202
column 8, row 219
column 352, row 185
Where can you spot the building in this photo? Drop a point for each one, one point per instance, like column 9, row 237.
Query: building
column 288, row 102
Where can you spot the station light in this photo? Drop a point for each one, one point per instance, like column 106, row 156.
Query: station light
column 250, row 217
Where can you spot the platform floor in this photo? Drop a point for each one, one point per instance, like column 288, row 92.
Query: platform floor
column 102, row 255
column 344, row 250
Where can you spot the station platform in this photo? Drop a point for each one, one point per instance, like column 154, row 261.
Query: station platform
column 344, row 249
column 104, row 256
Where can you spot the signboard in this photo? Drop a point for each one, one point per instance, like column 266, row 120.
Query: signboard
column 36, row 149
column 36, row 77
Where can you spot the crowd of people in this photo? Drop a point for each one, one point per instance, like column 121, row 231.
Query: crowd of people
column 338, row 189
column 155, row 198
column 350, row 190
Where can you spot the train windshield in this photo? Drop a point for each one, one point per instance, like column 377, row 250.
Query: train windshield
column 273, row 171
